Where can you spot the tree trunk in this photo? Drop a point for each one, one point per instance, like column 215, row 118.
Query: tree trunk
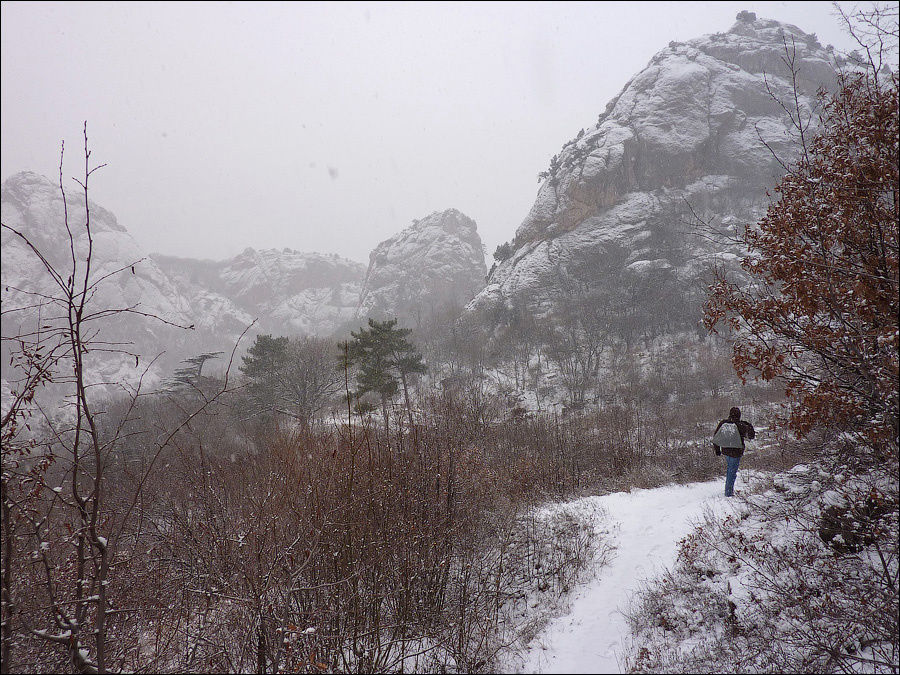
column 406, row 399
column 261, row 648
column 384, row 410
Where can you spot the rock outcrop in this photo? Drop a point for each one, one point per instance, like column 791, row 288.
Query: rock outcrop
column 433, row 266
column 33, row 205
column 692, row 137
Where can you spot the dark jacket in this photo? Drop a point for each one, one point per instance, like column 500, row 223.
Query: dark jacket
column 745, row 429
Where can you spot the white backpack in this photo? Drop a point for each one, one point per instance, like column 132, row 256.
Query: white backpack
column 728, row 436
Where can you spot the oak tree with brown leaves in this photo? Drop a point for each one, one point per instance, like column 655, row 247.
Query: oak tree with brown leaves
column 820, row 311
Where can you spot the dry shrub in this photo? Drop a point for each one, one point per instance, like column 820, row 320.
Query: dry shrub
column 247, row 547
column 252, row 546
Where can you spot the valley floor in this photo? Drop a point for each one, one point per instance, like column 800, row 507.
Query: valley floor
column 645, row 527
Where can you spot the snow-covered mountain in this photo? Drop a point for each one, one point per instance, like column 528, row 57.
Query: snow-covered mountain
column 433, row 265
column 33, row 205
column 697, row 133
column 287, row 291
column 437, row 262
column 691, row 135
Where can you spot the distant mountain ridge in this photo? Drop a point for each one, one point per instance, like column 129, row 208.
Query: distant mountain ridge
column 285, row 292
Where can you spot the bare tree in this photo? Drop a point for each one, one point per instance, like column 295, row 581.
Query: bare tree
column 295, row 377
column 61, row 534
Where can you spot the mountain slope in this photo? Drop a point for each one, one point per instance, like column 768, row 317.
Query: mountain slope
column 33, row 205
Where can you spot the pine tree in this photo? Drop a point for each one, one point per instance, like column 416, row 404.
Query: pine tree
column 385, row 359
column 263, row 360
column 191, row 377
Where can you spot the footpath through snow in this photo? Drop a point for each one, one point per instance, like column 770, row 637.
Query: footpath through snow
column 646, row 526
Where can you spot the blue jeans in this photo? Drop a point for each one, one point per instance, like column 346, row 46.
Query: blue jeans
column 732, row 464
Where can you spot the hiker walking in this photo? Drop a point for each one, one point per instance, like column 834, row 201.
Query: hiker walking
column 729, row 439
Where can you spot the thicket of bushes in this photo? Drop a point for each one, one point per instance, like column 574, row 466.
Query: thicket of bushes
column 252, row 544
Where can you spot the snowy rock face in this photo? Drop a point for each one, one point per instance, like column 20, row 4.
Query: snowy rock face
column 435, row 264
column 687, row 137
column 34, row 206
column 286, row 291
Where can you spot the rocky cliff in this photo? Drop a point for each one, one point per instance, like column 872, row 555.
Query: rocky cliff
column 695, row 136
column 432, row 266
column 33, row 205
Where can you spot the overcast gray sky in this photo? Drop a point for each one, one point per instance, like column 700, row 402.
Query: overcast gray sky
column 326, row 127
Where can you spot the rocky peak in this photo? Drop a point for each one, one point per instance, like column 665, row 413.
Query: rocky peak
column 34, row 203
column 691, row 128
column 435, row 263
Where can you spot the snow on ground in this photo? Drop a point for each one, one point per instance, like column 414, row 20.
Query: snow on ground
column 646, row 526
column 800, row 576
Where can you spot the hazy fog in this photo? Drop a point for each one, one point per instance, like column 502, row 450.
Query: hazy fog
column 326, row 127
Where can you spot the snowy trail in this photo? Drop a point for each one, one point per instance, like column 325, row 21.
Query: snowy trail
column 647, row 525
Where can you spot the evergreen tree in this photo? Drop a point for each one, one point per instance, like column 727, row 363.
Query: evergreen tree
column 263, row 360
column 504, row 252
column 385, row 359
column 191, row 377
